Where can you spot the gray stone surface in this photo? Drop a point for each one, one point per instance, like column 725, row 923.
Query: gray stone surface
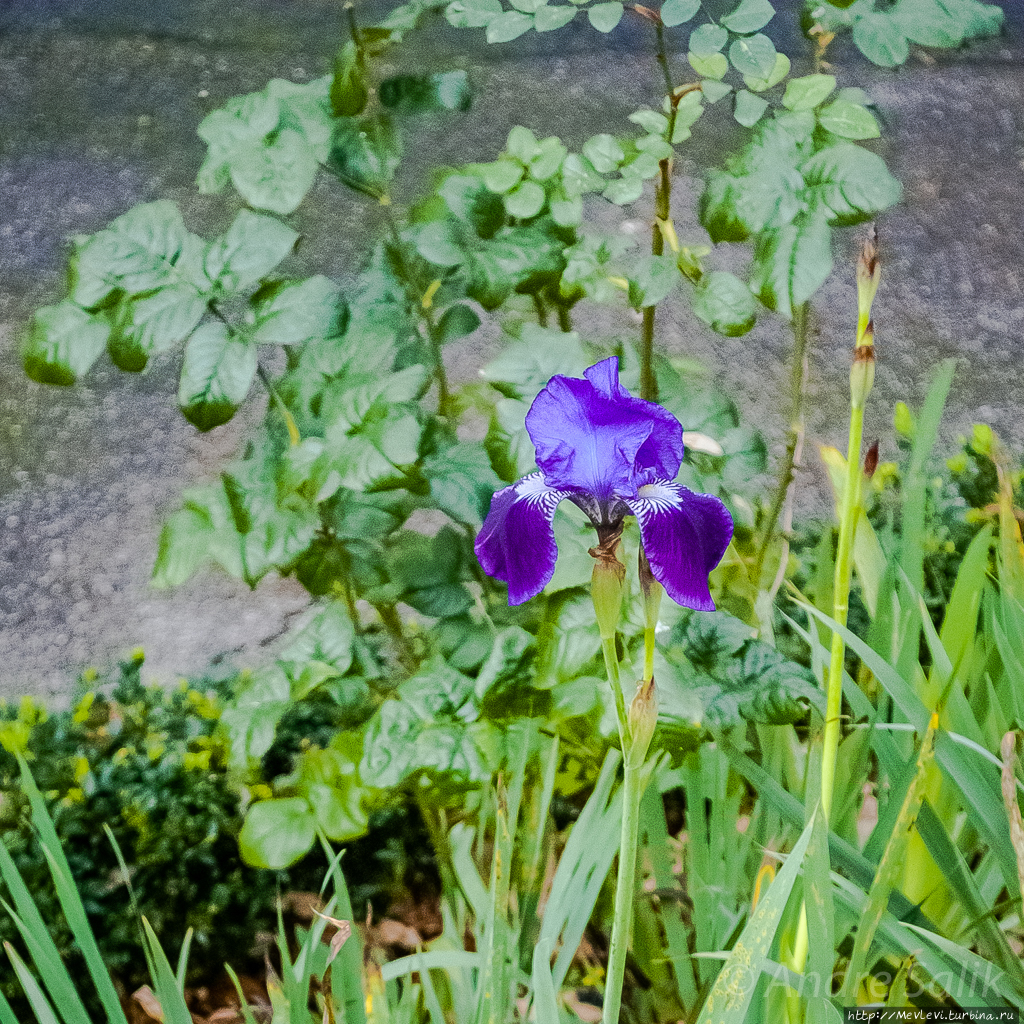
column 98, row 107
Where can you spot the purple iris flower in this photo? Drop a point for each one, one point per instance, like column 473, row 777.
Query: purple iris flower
column 613, row 455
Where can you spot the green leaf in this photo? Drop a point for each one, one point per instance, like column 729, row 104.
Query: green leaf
column 879, row 37
column 502, row 175
column 296, row 312
column 146, row 248
column 248, row 251
column 713, row 66
column 508, row 26
column 848, row 120
column 749, row 16
column 627, row 189
column 725, row 304
column 527, row 6
column 712, row 91
column 778, row 73
column 462, row 481
column 604, row 17
column 62, row 343
column 807, row 92
column 529, row 363
column 349, row 91
column 548, row 18
column 651, row 279
column 522, row 144
column 567, row 213
column 419, row 94
column 792, row 263
column 525, row 201
column 216, row 376
column 438, row 243
column 850, row 183
column 579, row 176
column 276, row 175
column 753, row 55
column 749, row 108
column 676, row 12
column 458, row 321
column 328, row 637
column 547, row 160
column 365, row 152
column 276, row 833
column 338, row 809
column 472, row 13
column 154, row 324
column 651, row 121
column 604, row 153
column 183, row 547
column 707, row 39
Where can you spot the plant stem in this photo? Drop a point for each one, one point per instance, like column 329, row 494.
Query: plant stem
column 794, row 440
column 611, row 665
column 625, row 888
column 841, row 603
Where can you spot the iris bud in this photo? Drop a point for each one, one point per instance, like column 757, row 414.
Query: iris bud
column 606, row 590
column 862, row 373
column 643, row 718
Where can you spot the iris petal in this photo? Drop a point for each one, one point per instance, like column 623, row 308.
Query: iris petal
column 684, row 537
column 593, row 436
column 517, row 542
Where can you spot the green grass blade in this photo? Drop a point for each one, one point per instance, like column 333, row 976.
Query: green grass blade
column 820, row 919
column 40, row 944
column 961, row 879
column 734, row 987
column 179, row 974
column 247, row 1014
column 445, row 959
column 37, row 1000
column 165, row 984
column 70, row 899
column 347, row 969
column 545, row 999
column 981, row 794
column 891, row 865
column 53, row 972
column 6, row 1013
column 659, row 853
column 430, row 1000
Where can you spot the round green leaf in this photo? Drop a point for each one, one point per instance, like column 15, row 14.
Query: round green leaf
column 753, row 55
column 503, row 175
column 626, row 189
column 567, row 213
column 215, row 376
column 604, row 152
column 807, row 92
column 675, row 12
column 526, row 201
column 604, row 17
column 781, row 68
column 458, row 321
column 436, row 243
column 713, row 66
column 707, row 39
column 548, row 18
column 548, row 159
column 749, row 16
column 725, row 304
column 277, row 833
column 522, row 144
column 579, row 176
column 508, row 26
column 472, row 13
column 713, row 91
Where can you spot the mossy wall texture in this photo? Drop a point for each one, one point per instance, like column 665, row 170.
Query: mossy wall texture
column 100, row 102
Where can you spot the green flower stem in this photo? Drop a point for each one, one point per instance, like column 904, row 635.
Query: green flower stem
column 841, row 602
column 625, row 886
column 611, row 664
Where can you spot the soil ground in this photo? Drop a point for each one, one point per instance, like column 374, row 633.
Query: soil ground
column 99, row 102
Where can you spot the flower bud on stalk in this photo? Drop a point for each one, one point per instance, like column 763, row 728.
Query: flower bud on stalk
column 606, row 584
column 643, row 718
column 862, row 373
column 869, row 271
column 651, row 590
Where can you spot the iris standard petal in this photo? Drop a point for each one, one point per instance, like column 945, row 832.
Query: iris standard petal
column 684, row 537
column 592, row 435
column 517, row 543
